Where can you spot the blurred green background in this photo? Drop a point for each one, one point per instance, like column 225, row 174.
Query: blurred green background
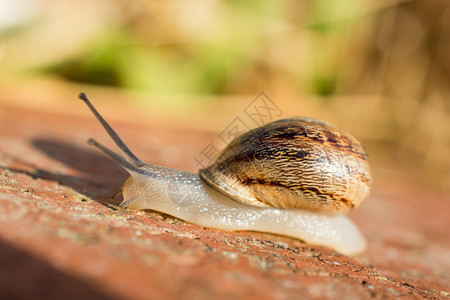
column 383, row 66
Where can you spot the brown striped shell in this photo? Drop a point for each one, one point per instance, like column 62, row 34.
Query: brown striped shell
column 293, row 163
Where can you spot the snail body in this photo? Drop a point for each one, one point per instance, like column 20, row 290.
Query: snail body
column 253, row 197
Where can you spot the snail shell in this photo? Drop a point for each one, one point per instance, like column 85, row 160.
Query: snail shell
column 299, row 162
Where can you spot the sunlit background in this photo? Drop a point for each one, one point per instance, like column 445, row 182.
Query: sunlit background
column 379, row 69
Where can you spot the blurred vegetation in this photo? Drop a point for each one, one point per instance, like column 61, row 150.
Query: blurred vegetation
column 394, row 51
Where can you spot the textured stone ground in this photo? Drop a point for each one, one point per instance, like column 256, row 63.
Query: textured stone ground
column 62, row 238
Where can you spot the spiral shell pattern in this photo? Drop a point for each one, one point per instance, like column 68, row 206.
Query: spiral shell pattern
column 298, row 162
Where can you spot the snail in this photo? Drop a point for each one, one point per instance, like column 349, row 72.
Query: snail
column 295, row 177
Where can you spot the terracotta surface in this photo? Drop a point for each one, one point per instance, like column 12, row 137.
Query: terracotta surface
column 62, row 238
